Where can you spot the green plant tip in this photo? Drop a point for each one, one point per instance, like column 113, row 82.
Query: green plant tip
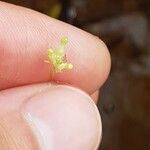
column 58, row 58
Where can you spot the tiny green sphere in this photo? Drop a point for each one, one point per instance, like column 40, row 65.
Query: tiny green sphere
column 70, row 66
column 64, row 40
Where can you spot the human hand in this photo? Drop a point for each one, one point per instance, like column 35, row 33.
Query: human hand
column 36, row 113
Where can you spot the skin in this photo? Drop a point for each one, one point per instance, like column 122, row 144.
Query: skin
column 47, row 110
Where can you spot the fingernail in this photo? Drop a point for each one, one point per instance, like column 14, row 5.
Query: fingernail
column 64, row 118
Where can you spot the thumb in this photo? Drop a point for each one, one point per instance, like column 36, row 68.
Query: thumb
column 59, row 117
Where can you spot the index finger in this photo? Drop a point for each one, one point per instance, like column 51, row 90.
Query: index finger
column 26, row 35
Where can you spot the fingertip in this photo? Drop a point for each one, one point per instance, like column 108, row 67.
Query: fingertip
column 23, row 62
column 64, row 115
column 49, row 117
column 91, row 60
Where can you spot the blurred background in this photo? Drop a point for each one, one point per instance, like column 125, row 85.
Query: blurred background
column 124, row 25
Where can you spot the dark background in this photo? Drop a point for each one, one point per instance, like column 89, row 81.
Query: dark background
column 125, row 98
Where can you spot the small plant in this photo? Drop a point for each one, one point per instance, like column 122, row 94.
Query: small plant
column 58, row 58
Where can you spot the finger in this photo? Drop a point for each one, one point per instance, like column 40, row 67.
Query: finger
column 17, row 96
column 57, row 117
column 25, row 37
column 95, row 96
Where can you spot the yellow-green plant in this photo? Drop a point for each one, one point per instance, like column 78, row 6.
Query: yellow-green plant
column 58, row 58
